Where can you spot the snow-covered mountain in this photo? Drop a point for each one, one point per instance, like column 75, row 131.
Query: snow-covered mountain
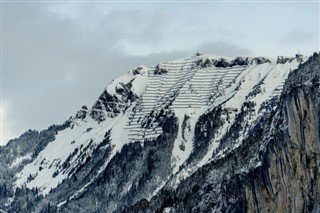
column 188, row 135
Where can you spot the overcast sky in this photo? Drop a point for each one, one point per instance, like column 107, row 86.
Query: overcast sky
column 57, row 57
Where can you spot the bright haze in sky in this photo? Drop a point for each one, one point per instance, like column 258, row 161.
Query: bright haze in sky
column 58, row 56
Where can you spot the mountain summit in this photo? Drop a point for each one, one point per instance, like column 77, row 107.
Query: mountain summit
column 198, row 134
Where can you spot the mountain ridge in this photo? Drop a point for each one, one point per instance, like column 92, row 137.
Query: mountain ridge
column 168, row 122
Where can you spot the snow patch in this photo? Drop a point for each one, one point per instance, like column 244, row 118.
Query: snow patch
column 20, row 159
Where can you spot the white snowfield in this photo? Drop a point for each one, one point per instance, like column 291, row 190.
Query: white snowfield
column 181, row 87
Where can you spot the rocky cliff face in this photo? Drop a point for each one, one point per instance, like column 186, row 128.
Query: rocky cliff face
column 201, row 134
column 292, row 152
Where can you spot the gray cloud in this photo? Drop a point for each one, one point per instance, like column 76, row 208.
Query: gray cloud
column 225, row 49
column 57, row 57
column 300, row 36
column 53, row 65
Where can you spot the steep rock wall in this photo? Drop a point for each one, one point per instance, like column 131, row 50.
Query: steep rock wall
column 292, row 160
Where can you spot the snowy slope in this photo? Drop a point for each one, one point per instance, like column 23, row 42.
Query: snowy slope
column 74, row 145
column 131, row 109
